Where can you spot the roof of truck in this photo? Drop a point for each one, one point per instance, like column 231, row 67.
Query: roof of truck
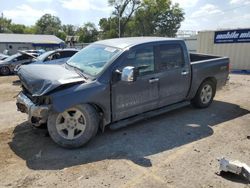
column 132, row 41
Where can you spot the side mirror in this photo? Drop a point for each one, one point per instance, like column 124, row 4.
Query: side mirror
column 128, row 74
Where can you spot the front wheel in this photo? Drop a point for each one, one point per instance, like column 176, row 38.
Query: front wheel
column 74, row 127
column 205, row 94
column 4, row 71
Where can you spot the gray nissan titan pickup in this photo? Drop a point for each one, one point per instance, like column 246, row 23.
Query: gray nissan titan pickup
column 117, row 82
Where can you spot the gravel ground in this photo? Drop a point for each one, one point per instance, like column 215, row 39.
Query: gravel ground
column 177, row 149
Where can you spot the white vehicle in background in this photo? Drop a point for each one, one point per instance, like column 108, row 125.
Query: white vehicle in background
column 3, row 56
column 59, row 56
column 8, row 65
column 38, row 52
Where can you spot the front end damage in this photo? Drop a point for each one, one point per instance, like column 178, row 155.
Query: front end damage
column 37, row 82
column 37, row 114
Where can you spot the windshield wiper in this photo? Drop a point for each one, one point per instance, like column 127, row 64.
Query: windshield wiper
column 78, row 70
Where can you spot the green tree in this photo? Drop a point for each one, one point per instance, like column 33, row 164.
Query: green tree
column 69, row 29
column 30, row 30
column 124, row 10
column 5, row 24
column 108, row 28
column 158, row 17
column 142, row 18
column 48, row 24
column 62, row 35
column 17, row 28
column 88, row 33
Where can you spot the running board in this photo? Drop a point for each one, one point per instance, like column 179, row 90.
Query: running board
column 134, row 119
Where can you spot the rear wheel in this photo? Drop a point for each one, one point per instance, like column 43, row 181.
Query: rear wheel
column 205, row 94
column 74, row 127
column 4, row 71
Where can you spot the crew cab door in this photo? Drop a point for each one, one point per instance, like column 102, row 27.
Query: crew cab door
column 132, row 98
column 174, row 73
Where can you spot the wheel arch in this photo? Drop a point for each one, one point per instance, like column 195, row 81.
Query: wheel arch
column 195, row 85
column 213, row 79
column 196, row 101
column 100, row 112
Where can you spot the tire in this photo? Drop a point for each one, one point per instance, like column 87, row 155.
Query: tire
column 4, row 71
column 203, row 97
column 74, row 127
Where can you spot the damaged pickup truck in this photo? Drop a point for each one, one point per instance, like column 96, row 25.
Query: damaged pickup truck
column 117, row 82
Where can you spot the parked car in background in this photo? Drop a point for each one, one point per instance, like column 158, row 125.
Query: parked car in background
column 38, row 52
column 116, row 82
column 8, row 65
column 3, row 56
column 59, row 56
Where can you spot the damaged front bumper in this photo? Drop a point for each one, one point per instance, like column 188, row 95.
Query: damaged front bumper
column 37, row 114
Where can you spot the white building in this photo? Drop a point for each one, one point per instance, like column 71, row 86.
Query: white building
column 234, row 44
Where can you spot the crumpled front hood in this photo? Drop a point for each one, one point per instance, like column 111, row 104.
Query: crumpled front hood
column 40, row 79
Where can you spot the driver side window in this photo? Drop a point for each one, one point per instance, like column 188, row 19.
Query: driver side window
column 53, row 57
column 143, row 59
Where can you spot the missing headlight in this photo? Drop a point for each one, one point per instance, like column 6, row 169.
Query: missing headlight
column 42, row 100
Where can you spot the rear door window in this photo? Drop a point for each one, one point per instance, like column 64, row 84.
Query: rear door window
column 170, row 56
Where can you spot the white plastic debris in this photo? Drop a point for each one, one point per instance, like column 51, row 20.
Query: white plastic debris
column 235, row 167
column 80, row 178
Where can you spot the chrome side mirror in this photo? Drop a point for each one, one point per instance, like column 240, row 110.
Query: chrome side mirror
column 128, row 74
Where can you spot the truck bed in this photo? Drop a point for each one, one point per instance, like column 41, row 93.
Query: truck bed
column 196, row 57
column 208, row 66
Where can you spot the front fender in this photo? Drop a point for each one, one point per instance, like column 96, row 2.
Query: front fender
column 94, row 93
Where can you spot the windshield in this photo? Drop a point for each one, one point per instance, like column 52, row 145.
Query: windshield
column 44, row 55
column 10, row 58
column 93, row 58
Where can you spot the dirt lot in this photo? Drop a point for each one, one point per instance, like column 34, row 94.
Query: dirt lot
column 177, row 149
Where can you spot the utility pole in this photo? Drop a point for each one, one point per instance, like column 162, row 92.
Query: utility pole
column 119, row 20
column 1, row 24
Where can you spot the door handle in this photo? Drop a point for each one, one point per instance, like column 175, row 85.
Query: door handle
column 153, row 80
column 184, row 72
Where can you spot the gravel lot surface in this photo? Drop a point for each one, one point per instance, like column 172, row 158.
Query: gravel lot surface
column 177, row 149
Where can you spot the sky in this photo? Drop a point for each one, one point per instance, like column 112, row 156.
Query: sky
column 199, row 14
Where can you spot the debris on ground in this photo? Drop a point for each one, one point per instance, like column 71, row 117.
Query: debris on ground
column 198, row 151
column 235, row 167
